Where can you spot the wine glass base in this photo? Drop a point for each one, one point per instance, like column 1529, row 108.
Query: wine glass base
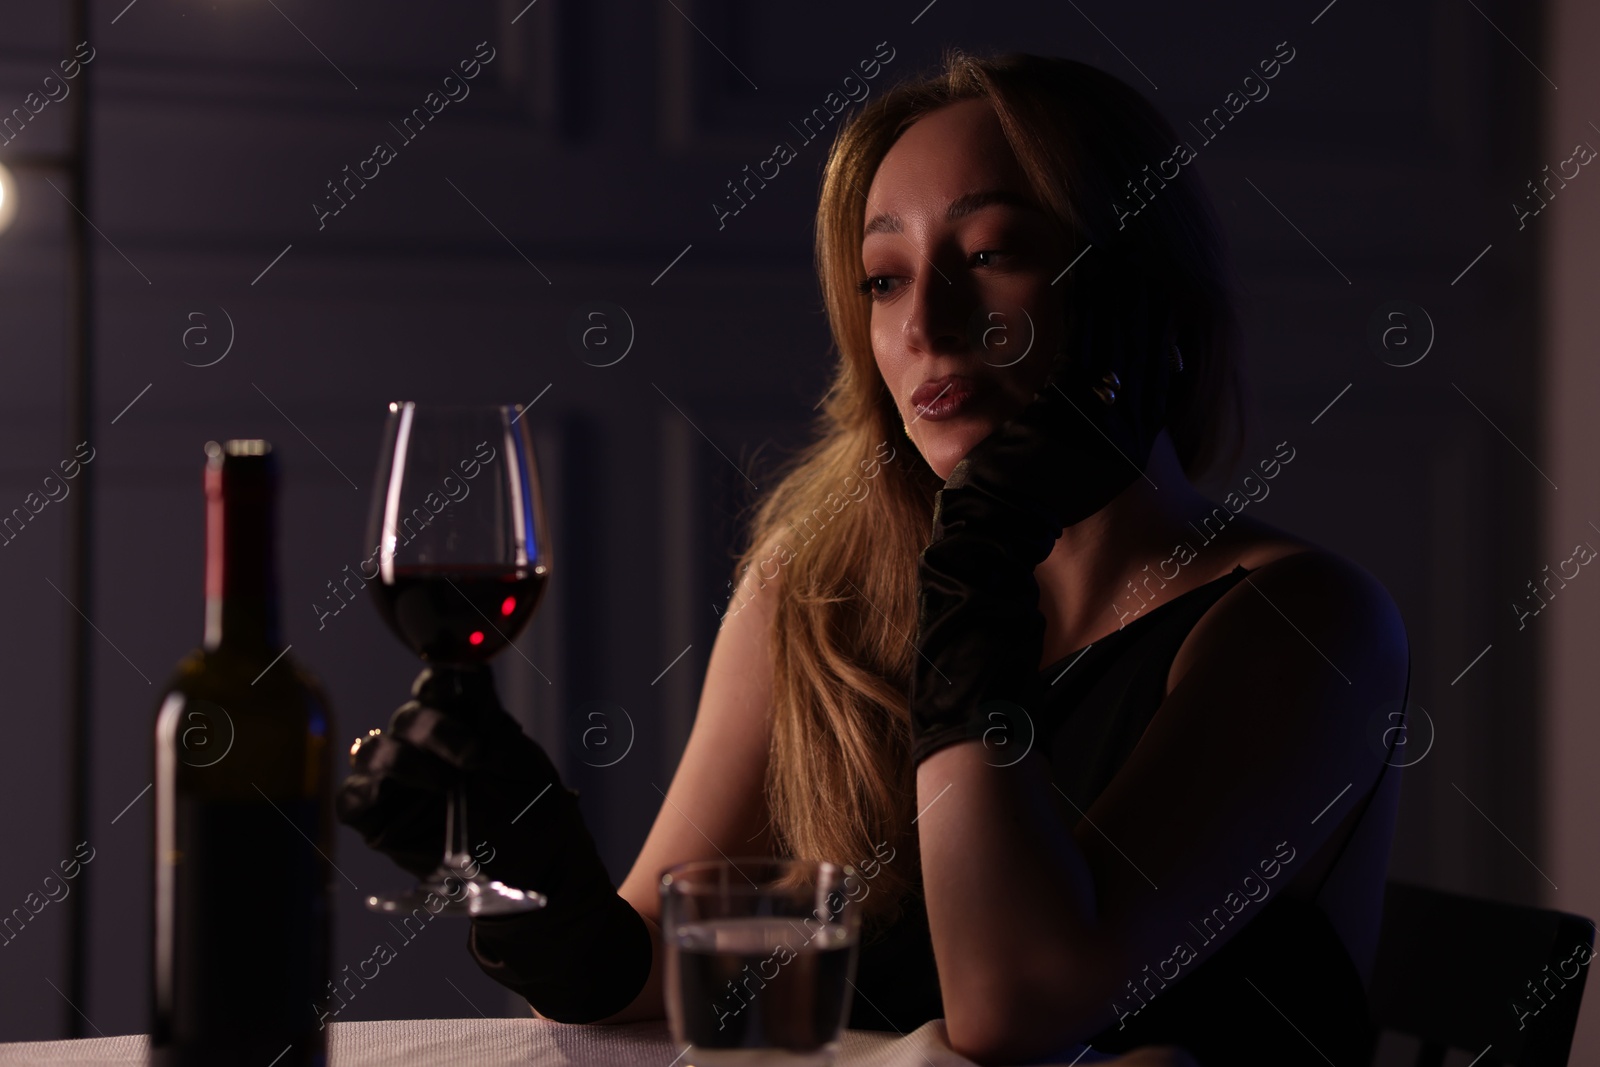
column 446, row 892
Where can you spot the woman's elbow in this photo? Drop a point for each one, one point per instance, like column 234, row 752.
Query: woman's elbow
column 1005, row 1023
column 997, row 1046
column 988, row 1049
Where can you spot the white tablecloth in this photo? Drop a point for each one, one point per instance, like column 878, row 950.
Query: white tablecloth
column 537, row 1042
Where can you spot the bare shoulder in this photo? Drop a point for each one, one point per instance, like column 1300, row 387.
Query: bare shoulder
column 1303, row 572
column 1318, row 581
column 1154, row 1056
column 748, row 618
column 1338, row 609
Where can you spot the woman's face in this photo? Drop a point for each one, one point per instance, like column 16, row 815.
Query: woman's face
column 959, row 262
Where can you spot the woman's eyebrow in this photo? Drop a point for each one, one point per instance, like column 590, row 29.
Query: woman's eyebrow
column 962, row 205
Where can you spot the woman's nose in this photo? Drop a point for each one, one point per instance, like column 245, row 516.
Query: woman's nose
column 937, row 314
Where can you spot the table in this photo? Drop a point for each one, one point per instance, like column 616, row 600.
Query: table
column 501, row 1042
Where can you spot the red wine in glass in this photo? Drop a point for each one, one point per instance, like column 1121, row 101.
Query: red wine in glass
column 462, row 563
column 459, row 614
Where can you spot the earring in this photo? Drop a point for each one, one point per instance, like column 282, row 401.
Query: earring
column 1107, row 389
column 1176, row 360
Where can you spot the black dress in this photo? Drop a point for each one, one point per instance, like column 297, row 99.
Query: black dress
column 1232, row 1010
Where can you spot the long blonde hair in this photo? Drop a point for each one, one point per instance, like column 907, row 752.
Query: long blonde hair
column 840, row 784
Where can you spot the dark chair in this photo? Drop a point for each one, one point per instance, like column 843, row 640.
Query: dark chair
column 1500, row 980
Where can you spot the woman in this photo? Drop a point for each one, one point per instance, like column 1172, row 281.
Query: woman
column 1106, row 746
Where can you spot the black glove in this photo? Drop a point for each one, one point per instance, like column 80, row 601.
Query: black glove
column 1077, row 444
column 587, row 953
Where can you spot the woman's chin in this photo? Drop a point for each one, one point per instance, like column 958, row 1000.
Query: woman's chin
column 952, row 440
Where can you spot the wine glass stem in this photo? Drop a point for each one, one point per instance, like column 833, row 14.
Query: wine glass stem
column 455, row 828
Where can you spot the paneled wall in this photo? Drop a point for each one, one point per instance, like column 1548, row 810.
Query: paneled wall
column 587, row 165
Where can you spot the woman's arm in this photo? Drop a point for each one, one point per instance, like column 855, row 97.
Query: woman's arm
column 715, row 805
column 1041, row 914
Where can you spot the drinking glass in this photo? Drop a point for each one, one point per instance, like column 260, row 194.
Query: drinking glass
column 463, row 559
column 761, row 958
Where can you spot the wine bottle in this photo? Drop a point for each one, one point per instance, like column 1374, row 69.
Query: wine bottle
column 243, row 875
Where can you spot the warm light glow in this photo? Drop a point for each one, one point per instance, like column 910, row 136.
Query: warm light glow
column 508, row 605
column 8, row 198
column 475, row 638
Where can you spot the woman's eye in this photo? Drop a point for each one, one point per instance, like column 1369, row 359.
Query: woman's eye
column 880, row 286
column 876, row 286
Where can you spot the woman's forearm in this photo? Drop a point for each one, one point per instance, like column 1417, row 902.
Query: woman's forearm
column 1011, row 907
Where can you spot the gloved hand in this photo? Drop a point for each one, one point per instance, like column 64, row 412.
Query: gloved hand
column 587, row 953
column 452, row 732
column 1073, row 448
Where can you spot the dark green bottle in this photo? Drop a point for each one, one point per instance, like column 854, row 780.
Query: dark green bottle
column 243, row 875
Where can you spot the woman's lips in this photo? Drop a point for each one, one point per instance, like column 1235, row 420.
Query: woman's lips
column 944, row 398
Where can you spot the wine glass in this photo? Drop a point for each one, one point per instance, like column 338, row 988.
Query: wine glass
column 458, row 522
